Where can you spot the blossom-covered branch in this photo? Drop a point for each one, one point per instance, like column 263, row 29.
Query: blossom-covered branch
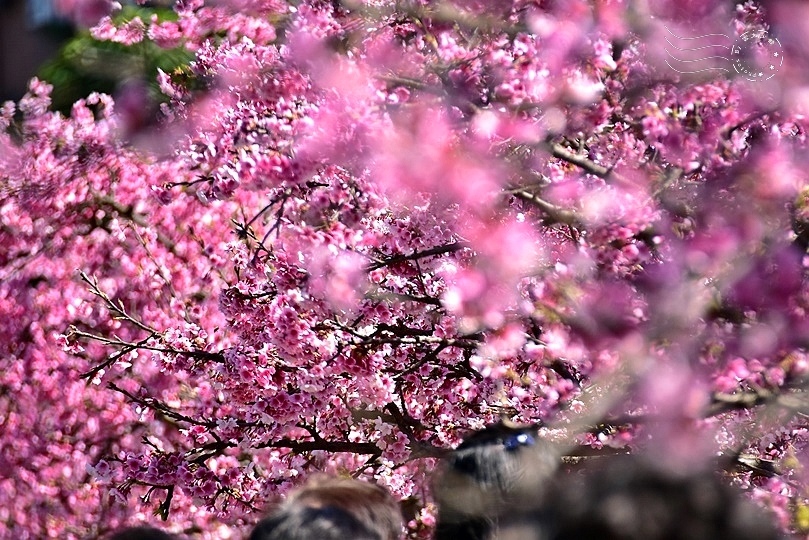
column 354, row 231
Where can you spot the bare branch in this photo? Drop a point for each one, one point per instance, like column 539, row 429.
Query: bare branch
column 555, row 214
column 118, row 311
column 127, row 347
column 162, row 408
column 438, row 250
column 328, row 446
column 722, row 402
column 589, row 166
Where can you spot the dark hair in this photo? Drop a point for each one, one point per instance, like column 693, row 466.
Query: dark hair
column 494, row 475
column 333, row 508
column 141, row 533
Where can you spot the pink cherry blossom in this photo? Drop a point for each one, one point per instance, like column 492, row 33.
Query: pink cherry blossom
column 358, row 230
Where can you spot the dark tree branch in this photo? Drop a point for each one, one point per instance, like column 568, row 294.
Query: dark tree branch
column 365, row 448
column 117, row 309
column 438, row 250
column 554, row 214
column 127, row 347
column 586, row 164
column 722, row 402
column 161, row 407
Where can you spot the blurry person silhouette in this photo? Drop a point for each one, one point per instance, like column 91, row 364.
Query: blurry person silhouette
column 327, row 508
column 504, row 483
column 141, row 533
column 495, row 478
column 633, row 498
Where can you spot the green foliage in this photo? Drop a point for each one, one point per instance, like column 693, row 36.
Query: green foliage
column 86, row 65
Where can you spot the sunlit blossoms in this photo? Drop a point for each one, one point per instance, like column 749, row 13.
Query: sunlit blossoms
column 357, row 230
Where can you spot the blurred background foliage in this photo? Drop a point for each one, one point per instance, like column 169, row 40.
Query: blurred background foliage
column 85, row 65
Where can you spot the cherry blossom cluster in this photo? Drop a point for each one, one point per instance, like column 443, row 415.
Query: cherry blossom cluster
column 360, row 229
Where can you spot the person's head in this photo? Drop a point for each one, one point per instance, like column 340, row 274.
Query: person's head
column 333, row 508
column 498, row 471
column 308, row 523
column 141, row 533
